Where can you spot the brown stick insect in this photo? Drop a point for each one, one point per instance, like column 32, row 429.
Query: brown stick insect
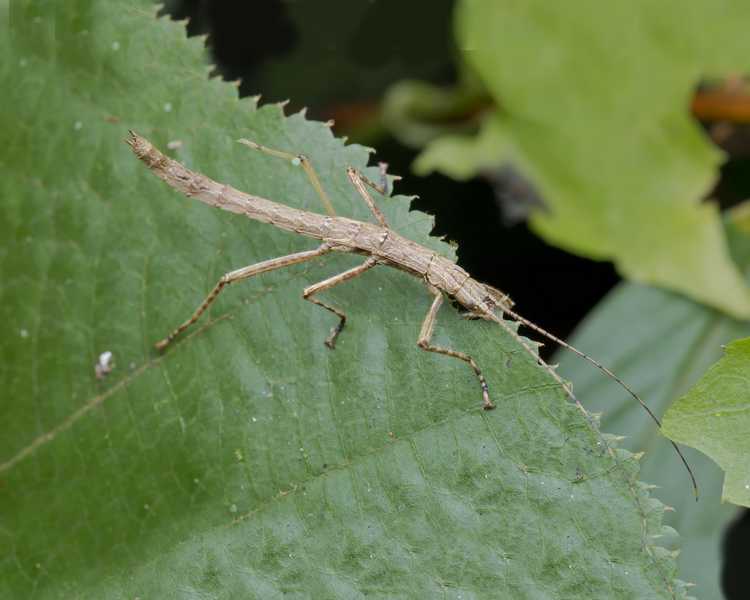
column 377, row 242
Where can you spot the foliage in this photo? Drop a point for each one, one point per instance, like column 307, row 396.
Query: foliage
column 250, row 461
column 713, row 417
column 663, row 343
column 591, row 105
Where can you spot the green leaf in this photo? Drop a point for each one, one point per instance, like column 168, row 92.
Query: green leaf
column 661, row 343
column 461, row 157
column 593, row 98
column 249, row 460
column 416, row 113
column 713, row 417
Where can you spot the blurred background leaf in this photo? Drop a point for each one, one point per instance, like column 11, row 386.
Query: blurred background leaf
column 250, row 460
column 568, row 82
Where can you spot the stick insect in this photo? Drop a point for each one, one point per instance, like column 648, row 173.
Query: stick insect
column 377, row 242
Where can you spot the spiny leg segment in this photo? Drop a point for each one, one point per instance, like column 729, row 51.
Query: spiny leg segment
column 326, row 284
column 297, row 159
column 425, row 335
column 240, row 274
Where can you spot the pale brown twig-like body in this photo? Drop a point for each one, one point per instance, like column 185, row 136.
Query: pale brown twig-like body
column 340, row 233
column 380, row 244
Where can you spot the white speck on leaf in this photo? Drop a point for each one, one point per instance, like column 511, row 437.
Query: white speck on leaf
column 78, row 125
column 104, row 366
column 23, row 333
column 167, row 107
column 174, row 144
column 115, row 46
column 233, row 508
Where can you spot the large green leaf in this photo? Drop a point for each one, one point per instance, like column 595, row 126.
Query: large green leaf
column 662, row 343
column 713, row 417
column 250, row 461
column 593, row 108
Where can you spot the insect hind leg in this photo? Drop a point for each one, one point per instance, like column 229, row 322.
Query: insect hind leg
column 239, row 275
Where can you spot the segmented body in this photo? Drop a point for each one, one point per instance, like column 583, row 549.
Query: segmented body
column 343, row 234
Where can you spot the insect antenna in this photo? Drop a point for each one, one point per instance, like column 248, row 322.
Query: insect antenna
column 606, row 371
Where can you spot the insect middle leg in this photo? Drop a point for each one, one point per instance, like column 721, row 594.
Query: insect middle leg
column 326, row 284
column 297, row 159
column 425, row 335
column 238, row 275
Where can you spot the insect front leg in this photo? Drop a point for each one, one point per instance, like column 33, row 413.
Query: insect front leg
column 238, row 275
column 382, row 187
column 425, row 335
column 358, row 181
column 297, row 159
column 329, row 283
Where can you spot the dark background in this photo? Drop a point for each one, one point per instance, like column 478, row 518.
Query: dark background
column 338, row 58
